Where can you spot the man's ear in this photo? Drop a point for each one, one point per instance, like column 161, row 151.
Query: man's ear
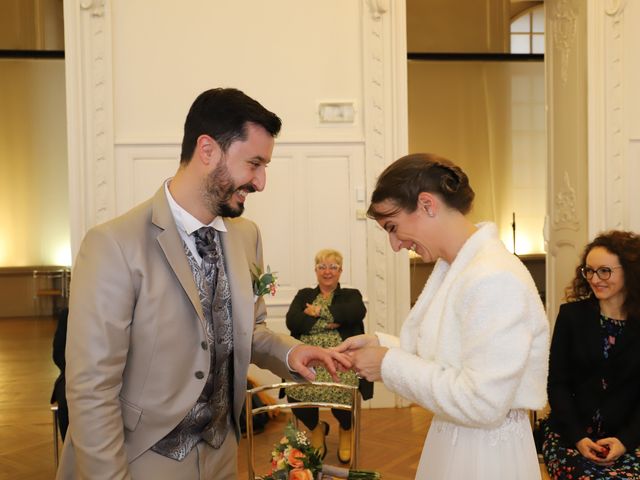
column 208, row 150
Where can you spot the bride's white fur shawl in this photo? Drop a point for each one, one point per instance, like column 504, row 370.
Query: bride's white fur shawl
column 475, row 345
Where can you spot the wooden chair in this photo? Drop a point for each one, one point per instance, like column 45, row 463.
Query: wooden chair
column 52, row 284
column 354, row 408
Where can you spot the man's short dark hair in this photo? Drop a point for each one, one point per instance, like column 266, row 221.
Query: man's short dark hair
column 223, row 114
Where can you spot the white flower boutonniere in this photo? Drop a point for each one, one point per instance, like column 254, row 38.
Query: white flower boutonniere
column 263, row 282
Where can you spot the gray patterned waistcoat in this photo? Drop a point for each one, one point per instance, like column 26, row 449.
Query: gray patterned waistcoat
column 208, row 418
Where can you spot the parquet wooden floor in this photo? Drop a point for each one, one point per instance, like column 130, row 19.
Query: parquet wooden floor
column 391, row 439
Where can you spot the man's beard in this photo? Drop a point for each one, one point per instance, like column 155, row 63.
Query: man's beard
column 218, row 190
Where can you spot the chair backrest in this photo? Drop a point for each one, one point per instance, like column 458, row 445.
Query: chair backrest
column 354, row 408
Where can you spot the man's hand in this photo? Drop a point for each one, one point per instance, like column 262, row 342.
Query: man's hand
column 356, row 342
column 302, row 357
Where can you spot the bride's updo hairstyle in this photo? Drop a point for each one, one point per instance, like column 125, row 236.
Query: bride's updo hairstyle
column 402, row 181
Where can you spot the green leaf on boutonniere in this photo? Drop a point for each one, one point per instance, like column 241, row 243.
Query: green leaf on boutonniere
column 263, row 282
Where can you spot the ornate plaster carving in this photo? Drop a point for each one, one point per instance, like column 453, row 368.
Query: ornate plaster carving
column 377, row 146
column 97, row 110
column 615, row 112
column 96, row 7
column 614, row 7
column 378, row 8
column 564, row 32
column 565, row 212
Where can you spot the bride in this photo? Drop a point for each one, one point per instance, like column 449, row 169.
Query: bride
column 474, row 348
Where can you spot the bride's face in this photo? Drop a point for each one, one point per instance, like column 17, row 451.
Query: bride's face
column 413, row 231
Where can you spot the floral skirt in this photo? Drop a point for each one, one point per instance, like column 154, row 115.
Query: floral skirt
column 324, row 394
column 568, row 463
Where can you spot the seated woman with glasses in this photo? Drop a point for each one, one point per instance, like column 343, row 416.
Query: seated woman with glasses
column 593, row 430
column 324, row 316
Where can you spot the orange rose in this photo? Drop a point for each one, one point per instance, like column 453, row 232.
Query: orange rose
column 300, row 474
column 295, row 458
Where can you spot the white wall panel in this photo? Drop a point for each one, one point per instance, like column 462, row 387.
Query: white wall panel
column 140, row 170
column 311, row 202
column 274, row 210
column 288, row 54
column 329, row 210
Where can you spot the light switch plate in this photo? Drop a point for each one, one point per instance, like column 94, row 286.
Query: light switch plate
column 336, row 112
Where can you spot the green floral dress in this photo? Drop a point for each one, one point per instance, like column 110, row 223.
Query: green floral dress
column 321, row 336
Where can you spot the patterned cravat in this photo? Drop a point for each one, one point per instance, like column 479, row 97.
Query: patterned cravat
column 206, row 245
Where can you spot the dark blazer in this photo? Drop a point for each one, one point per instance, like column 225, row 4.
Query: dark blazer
column 347, row 309
column 576, row 367
column 58, row 394
column 59, row 342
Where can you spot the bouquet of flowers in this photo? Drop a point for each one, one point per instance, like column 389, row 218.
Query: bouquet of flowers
column 263, row 282
column 293, row 458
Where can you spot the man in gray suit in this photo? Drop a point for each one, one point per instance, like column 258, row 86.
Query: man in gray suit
column 163, row 320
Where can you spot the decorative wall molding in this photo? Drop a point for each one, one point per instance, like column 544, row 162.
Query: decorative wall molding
column 566, row 98
column 386, row 138
column 566, row 214
column 95, row 7
column 378, row 8
column 614, row 7
column 89, row 115
column 616, row 111
column 563, row 22
column 377, row 153
column 607, row 128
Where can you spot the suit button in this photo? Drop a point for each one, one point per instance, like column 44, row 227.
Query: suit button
column 204, row 345
column 199, row 375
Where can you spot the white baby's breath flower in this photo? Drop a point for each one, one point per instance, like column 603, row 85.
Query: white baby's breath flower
column 301, row 438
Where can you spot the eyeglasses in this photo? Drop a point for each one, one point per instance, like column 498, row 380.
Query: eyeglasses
column 603, row 273
column 333, row 267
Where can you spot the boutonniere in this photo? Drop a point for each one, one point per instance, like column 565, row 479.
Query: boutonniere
column 263, row 282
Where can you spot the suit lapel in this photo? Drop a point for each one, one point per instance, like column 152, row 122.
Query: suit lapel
column 173, row 248
column 239, row 277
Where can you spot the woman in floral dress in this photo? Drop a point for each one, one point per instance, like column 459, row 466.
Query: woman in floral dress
column 324, row 316
column 593, row 431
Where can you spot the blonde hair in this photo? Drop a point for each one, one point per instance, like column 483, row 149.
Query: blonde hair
column 326, row 253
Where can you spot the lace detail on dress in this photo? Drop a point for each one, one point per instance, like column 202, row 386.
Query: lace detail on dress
column 515, row 423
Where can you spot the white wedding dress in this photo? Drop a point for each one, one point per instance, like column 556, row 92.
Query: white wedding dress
column 474, row 351
column 454, row 452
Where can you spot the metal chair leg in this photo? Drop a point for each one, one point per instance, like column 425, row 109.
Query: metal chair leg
column 54, row 412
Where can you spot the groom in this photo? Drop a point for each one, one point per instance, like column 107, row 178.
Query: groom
column 163, row 323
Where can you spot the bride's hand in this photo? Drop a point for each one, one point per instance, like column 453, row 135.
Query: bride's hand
column 357, row 342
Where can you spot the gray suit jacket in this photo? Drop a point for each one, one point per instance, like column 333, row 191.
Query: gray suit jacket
column 135, row 336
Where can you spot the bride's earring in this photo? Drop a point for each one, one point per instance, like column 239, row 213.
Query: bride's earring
column 428, row 210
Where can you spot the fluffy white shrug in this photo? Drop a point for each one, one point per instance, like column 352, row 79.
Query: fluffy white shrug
column 475, row 345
